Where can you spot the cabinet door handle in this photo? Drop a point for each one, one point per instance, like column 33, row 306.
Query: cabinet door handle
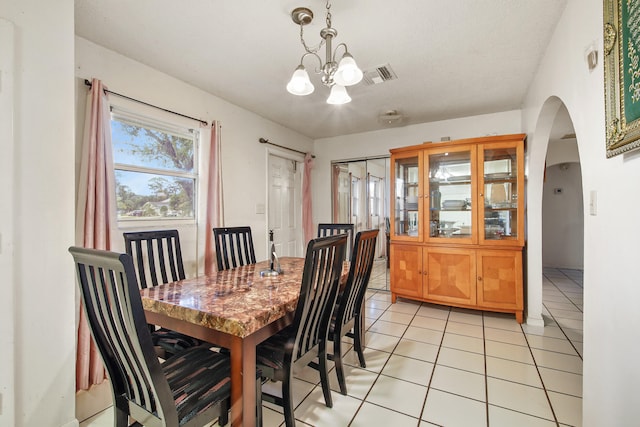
column 479, row 278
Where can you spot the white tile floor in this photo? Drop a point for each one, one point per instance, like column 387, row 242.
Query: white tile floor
column 429, row 365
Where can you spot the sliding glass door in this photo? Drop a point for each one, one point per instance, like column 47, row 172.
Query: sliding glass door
column 360, row 195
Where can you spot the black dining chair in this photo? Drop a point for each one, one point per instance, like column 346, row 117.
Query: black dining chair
column 347, row 315
column 234, row 247
column 305, row 339
column 190, row 389
column 158, row 259
column 331, row 229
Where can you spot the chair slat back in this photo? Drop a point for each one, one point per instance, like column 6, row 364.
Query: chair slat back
column 234, row 247
column 361, row 264
column 113, row 306
column 319, row 288
column 157, row 255
column 331, row 229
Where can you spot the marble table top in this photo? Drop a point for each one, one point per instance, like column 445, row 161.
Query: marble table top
column 238, row 301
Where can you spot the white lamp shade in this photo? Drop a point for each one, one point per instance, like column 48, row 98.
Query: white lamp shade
column 300, row 83
column 348, row 72
column 338, row 95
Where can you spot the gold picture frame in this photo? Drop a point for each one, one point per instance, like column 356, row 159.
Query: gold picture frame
column 621, row 37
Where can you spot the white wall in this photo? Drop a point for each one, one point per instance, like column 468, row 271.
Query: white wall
column 562, row 217
column 40, row 389
column 611, row 382
column 244, row 159
column 378, row 143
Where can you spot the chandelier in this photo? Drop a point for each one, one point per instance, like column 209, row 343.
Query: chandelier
column 333, row 74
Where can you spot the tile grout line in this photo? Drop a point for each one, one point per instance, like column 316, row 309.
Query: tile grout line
column 562, row 270
column 486, row 373
column 562, row 292
column 559, row 325
column 544, row 387
column 435, row 363
column 364, row 399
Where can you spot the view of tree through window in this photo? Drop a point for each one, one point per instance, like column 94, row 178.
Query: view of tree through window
column 155, row 170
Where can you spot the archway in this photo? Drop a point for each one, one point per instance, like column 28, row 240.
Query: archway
column 553, row 124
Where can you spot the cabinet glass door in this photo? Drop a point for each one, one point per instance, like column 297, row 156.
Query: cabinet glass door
column 450, row 195
column 500, row 178
column 407, row 198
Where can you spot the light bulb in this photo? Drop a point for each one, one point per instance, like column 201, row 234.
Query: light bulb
column 300, row 83
column 338, row 95
column 348, row 73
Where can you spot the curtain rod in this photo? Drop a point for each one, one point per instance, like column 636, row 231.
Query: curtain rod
column 266, row 141
column 204, row 122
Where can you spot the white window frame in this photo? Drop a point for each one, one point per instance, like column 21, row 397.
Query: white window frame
column 170, row 124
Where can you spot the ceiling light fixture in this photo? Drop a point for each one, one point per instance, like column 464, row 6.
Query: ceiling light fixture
column 333, row 74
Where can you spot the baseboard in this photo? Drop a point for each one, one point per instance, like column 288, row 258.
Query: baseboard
column 93, row 401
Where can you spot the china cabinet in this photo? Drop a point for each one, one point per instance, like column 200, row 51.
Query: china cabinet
column 457, row 228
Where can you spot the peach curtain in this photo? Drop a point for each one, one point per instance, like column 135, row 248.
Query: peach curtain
column 335, row 193
column 95, row 216
column 214, row 198
column 307, row 213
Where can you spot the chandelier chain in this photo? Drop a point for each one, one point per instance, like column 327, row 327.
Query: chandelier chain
column 313, row 50
column 328, row 19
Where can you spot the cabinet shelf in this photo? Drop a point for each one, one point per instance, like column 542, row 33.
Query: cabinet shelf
column 500, row 181
column 448, row 183
column 507, row 209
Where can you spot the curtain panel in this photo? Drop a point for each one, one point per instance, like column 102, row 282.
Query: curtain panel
column 307, row 212
column 335, row 193
column 95, row 216
column 214, row 208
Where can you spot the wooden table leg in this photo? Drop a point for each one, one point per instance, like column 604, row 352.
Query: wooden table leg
column 243, row 382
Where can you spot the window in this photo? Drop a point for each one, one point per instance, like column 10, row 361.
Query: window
column 155, row 168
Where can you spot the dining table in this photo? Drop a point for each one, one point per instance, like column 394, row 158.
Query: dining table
column 236, row 309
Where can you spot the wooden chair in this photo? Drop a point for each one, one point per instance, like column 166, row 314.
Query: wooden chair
column 331, row 229
column 191, row 389
column 158, row 260
column 234, row 247
column 347, row 315
column 305, row 339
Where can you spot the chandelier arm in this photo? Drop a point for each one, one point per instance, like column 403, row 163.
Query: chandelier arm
column 317, row 70
column 335, row 51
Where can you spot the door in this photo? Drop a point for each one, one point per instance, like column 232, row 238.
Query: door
column 406, row 271
column 500, row 279
column 285, row 205
column 450, row 188
column 360, row 196
column 450, row 275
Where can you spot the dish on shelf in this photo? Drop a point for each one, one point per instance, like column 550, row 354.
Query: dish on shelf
column 448, row 231
column 445, row 224
column 502, row 205
column 498, row 175
column 454, row 204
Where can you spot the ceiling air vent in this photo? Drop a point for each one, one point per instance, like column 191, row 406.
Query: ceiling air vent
column 379, row 75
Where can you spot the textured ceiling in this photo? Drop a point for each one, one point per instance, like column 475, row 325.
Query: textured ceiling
column 452, row 58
